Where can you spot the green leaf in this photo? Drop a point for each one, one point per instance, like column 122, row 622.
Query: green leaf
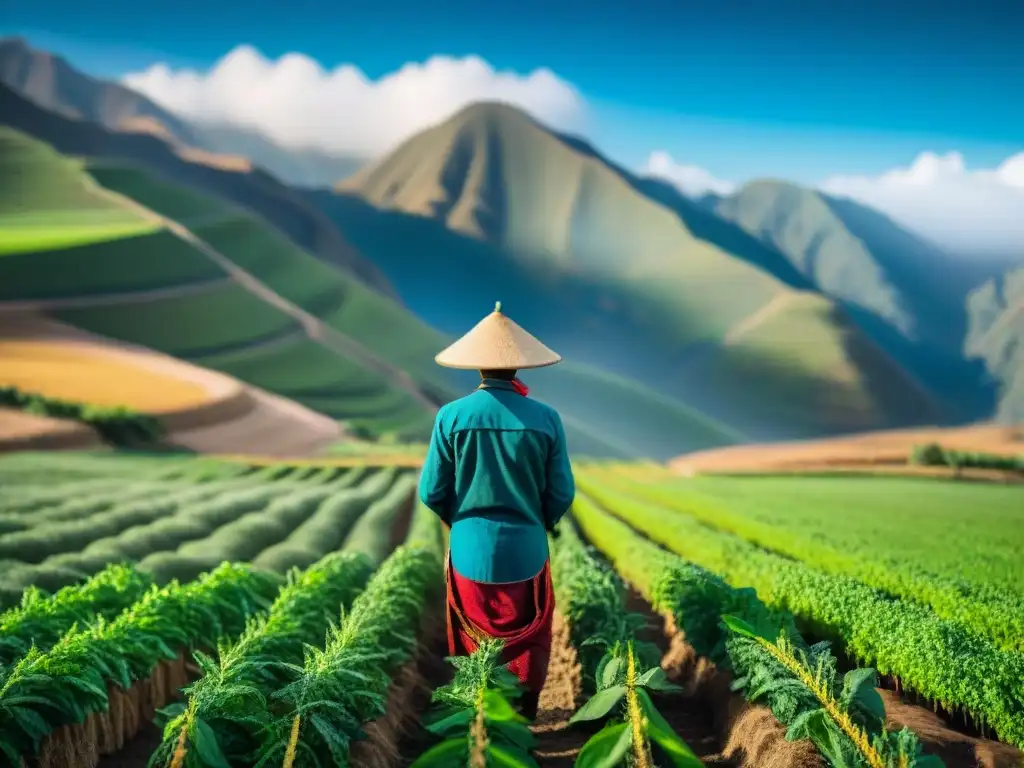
column 738, row 626
column 656, row 680
column 610, row 672
column 824, row 733
column 510, row 757
column 517, row 734
column 447, row 754
column 653, row 715
column 458, row 720
column 599, row 705
column 607, row 748
column 498, row 710
column 207, row 747
column 860, row 691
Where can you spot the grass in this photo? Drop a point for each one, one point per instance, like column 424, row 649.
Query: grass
column 20, row 236
column 186, row 326
column 176, row 203
column 901, row 522
column 64, row 371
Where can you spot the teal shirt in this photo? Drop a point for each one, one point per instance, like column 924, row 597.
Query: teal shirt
column 497, row 471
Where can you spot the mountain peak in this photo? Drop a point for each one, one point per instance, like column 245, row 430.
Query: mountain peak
column 489, row 111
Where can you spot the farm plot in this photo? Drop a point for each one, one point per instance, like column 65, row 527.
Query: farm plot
column 941, row 661
column 218, row 572
column 208, row 613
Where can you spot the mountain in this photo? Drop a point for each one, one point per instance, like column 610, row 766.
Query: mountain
column 996, row 337
column 52, row 83
column 252, row 189
column 683, row 326
column 116, row 251
column 490, row 204
column 906, row 292
column 228, row 330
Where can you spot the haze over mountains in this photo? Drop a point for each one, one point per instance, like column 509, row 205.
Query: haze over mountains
column 773, row 313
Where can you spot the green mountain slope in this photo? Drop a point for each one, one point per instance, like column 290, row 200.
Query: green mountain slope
column 393, row 333
column 499, row 207
column 104, row 281
column 144, row 283
column 906, row 293
column 996, row 337
column 275, row 203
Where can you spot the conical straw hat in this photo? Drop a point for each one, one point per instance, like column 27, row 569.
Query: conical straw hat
column 496, row 343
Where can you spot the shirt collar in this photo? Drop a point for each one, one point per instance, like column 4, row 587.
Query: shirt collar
column 496, row 384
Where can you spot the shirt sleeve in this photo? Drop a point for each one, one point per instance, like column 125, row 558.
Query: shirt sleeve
column 561, row 487
column 437, row 480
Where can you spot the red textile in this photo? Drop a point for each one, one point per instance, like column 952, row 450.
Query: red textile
column 520, row 387
column 520, row 614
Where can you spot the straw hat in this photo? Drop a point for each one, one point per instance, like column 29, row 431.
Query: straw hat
column 496, row 343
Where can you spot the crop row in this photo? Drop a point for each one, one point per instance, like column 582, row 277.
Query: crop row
column 938, row 658
column 992, row 611
column 342, row 685
column 626, row 676
column 47, row 697
column 226, row 708
column 843, row 716
column 280, row 524
column 82, row 692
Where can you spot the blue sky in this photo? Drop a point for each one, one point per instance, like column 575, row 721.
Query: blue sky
column 795, row 89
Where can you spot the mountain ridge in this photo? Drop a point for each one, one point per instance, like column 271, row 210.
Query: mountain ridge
column 588, row 231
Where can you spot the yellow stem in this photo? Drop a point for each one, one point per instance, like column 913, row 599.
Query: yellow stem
column 478, row 734
column 180, row 749
column 842, row 719
column 293, row 743
column 636, row 719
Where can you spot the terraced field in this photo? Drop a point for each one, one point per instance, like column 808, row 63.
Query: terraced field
column 191, row 276
column 173, row 610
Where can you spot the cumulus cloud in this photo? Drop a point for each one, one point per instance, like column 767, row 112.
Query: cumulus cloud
column 297, row 103
column 690, row 179
column 943, row 199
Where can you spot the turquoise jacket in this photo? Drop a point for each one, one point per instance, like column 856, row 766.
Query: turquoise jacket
column 497, row 471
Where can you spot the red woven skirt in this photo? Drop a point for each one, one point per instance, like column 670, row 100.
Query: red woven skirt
column 519, row 613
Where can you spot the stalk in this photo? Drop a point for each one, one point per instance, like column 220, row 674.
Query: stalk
column 293, row 741
column 478, row 733
column 636, row 717
column 855, row 733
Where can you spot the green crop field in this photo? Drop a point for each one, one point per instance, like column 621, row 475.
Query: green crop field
column 287, row 613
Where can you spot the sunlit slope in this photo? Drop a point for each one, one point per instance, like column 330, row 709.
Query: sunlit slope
column 500, row 208
column 812, row 367
column 905, row 292
column 159, row 290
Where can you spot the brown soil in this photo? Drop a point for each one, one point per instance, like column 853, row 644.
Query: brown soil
column 884, row 452
column 957, row 749
column 26, row 432
column 408, row 696
column 232, row 417
column 124, row 735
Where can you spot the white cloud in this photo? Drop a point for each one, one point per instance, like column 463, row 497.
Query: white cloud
column 690, row 179
column 297, row 103
column 940, row 197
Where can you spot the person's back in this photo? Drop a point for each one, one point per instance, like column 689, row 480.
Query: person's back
column 497, row 471
column 511, row 481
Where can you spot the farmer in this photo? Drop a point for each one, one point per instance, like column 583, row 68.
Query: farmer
column 497, row 472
